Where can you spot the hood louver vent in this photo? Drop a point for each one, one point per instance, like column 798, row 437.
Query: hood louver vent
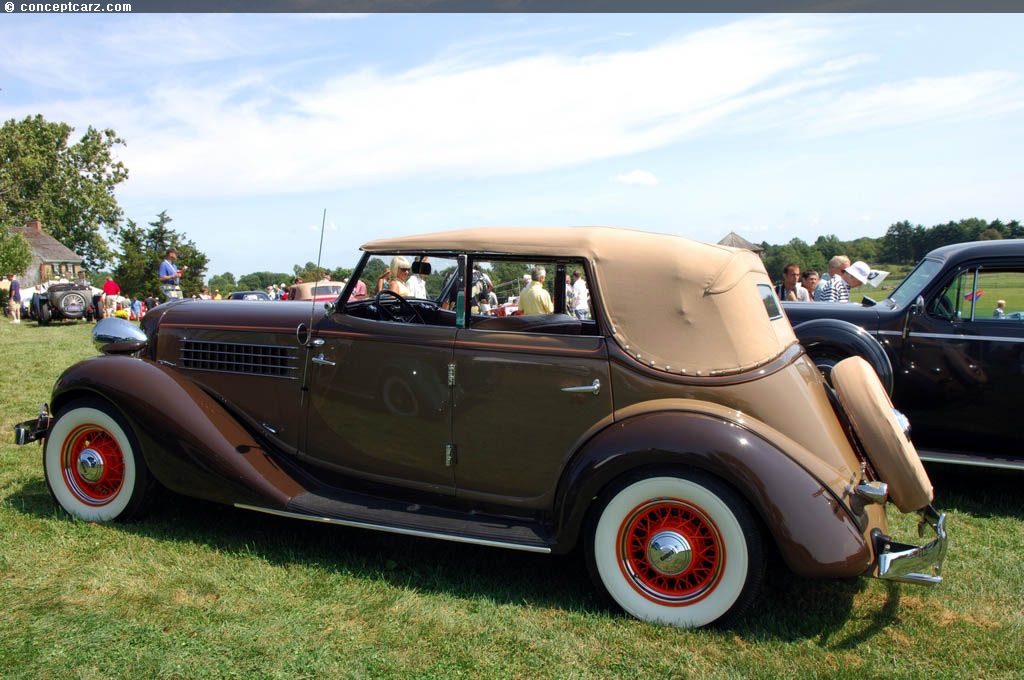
column 232, row 357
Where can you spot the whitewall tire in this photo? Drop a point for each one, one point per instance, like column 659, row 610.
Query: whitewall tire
column 93, row 465
column 678, row 548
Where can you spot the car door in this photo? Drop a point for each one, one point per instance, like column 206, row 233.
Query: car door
column 379, row 403
column 525, row 397
column 965, row 363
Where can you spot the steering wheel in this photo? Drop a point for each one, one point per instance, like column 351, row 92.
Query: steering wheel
column 406, row 312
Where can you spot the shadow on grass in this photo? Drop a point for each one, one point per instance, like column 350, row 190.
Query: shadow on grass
column 981, row 492
column 790, row 608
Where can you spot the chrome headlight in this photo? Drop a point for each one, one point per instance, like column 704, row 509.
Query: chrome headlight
column 118, row 336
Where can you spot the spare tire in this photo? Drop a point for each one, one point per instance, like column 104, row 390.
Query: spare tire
column 874, row 420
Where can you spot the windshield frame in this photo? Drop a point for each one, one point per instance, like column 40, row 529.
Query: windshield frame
column 912, row 286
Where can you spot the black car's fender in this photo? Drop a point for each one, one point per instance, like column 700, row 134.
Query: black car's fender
column 829, row 341
column 786, row 496
column 190, row 442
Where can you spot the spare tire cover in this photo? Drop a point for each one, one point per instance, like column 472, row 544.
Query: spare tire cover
column 891, row 452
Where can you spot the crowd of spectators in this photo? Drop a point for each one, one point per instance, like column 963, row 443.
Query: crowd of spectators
column 832, row 286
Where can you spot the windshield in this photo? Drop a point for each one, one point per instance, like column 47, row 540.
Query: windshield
column 912, row 286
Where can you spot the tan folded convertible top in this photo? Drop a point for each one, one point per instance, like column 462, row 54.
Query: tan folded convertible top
column 675, row 304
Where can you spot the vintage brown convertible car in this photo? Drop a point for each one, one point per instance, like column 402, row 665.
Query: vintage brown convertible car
column 674, row 435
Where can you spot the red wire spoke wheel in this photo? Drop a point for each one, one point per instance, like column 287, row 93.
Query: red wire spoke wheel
column 93, row 465
column 672, row 551
column 678, row 547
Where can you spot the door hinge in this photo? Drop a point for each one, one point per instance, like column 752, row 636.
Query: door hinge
column 451, row 375
column 450, row 458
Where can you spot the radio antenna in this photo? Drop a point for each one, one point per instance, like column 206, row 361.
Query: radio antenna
column 319, row 254
column 305, row 335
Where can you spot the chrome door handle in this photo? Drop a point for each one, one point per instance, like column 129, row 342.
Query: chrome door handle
column 320, row 360
column 593, row 388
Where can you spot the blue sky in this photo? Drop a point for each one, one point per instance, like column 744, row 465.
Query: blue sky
column 245, row 128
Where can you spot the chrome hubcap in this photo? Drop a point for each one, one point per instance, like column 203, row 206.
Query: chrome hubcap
column 90, row 465
column 669, row 553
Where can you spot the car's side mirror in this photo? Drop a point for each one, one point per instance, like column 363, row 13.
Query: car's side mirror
column 918, row 306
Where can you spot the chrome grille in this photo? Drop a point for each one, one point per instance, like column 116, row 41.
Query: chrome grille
column 233, row 357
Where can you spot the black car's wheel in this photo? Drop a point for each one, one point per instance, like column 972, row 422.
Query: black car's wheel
column 44, row 314
column 93, row 464
column 825, row 358
column 676, row 547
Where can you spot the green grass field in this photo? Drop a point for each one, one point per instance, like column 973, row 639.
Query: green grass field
column 202, row 591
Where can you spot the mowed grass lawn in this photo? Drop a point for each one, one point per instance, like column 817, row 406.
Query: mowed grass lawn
column 196, row 590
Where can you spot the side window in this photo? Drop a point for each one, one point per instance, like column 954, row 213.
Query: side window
column 999, row 296
column 948, row 305
column 770, row 300
column 536, row 296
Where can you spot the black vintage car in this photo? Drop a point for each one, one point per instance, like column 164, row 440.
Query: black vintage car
column 951, row 342
column 63, row 300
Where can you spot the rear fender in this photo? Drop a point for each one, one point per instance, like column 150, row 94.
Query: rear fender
column 835, row 339
column 814, row 532
column 190, row 442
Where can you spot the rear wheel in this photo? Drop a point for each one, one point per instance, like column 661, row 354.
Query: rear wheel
column 45, row 314
column 93, row 465
column 676, row 547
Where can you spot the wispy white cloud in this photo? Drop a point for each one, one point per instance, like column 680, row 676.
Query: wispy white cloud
column 526, row 114
column 227, row 107
column 640, row 177
column 913, row 101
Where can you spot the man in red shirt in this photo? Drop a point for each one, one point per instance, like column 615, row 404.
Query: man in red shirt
column 110, row 292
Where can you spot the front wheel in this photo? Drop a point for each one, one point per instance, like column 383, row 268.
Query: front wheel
column 674, row 547
column 93, row 464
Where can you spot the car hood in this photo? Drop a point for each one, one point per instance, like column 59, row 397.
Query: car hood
column 865, row 316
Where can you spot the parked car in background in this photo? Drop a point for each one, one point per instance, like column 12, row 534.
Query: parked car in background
column 955, row 364
column 676, row 438
column 318, row 291
column 248, row 295
column 60, row 300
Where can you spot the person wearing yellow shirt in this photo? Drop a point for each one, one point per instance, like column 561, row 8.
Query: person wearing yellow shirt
column 536, row 299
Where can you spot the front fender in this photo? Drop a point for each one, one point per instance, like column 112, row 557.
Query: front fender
column 825, row 337
column 190, row 442
column 815, row 533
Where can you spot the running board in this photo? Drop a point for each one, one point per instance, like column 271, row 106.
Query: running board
column 410, row 519
column 974, row 461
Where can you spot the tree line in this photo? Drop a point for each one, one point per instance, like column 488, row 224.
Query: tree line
column 903, row 244
column 69, row 186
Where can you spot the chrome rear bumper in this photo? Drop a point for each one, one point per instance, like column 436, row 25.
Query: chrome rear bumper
column 909, row 563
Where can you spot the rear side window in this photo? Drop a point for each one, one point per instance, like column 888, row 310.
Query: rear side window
column 771, row 303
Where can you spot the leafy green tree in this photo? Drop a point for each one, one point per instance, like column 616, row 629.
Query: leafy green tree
column 260, row 280
column 374, row 268
column 70, row 188
column 15, row 253
column 225, row 283
column 142, row 251
column 309, row 272
column 829, row 246
column 864, row 248
column 900, row 243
